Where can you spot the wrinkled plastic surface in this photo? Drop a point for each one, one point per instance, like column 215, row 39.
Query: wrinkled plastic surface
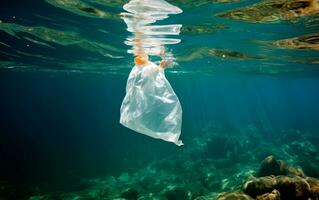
column 151, row 106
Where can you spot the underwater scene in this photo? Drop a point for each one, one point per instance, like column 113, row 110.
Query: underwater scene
column 159, row 100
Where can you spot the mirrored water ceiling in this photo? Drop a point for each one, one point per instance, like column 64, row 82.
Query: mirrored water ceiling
column 150, row 39
column 216, row 36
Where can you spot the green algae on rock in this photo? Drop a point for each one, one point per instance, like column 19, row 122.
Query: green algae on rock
column 48, row 37
column 273, row 10
column 82, row 8
column 204, row 52
column 203, row 29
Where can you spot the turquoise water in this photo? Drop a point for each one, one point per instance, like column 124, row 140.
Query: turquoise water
column 248, row 84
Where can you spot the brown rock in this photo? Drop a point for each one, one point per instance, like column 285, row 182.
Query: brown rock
column 271, row 166
column 258, row 186
column 295, row 171
column 314, row 188
column 292, row 188
column 274, row 195
column 233, row 196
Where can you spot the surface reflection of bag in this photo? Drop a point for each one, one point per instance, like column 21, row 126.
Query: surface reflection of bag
column 150, row 106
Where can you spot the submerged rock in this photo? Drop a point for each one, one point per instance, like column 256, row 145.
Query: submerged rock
column 124, row 178
column 130, row 194
column 314, row 188
column 271, row 166
column 305, row 154
column 149, row 183
column 274, row 195
column 233, row 196
column 176, row 193
column 217, row 163
column 258, row 186
column 295, row 171
column 290, row 188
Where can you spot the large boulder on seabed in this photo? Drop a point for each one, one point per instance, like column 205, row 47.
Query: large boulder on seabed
column 290, row 188
column 176, row 193
column 271, row 166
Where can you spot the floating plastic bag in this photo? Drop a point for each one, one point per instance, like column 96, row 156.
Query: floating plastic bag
column 151, row 106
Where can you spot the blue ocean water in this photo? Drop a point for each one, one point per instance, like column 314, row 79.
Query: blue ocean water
column 63, row 72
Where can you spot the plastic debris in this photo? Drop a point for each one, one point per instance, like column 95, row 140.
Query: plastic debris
column 150, row 105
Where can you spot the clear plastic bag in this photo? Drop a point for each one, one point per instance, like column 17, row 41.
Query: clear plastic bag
column 151, row 106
